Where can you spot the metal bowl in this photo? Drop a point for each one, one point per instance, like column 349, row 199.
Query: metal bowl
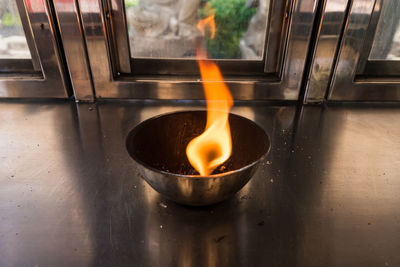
column 158, row 145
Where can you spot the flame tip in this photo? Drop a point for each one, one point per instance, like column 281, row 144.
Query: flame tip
column 207, row 22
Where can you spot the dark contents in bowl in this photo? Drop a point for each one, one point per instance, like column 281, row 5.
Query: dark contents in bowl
column 161, row 142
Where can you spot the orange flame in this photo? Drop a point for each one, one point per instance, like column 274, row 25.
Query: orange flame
column 214, row 146
column 209, row 22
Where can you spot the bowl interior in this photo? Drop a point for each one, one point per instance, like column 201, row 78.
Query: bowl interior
column 160, row 142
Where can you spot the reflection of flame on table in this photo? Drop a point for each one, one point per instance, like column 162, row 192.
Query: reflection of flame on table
column 214, row 146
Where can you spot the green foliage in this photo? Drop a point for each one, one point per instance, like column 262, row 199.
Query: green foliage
column 231, row 20
column 10, row 20
column 131, row 3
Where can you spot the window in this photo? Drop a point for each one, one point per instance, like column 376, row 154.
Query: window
column 13, row 43
column 167, row 28
column 380, row 56
column 146, row 48
column 30, row 63
column 160, row 37
column 386, row 44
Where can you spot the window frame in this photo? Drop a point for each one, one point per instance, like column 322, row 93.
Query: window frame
column 44, row 75
column 270, row 64
column 375, row 68
column 22, row 66
column 112, row 74
column 348, row 80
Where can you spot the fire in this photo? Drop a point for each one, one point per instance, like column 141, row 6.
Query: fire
column 214, row 146
column 210, row 23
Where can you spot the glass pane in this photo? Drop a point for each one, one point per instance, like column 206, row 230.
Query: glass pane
column 12, row 38
column 167, row 28
column 386, row 43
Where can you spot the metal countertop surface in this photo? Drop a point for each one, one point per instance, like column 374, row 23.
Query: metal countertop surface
column 328, row 193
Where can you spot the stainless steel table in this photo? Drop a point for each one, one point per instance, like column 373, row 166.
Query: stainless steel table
column 327, row 195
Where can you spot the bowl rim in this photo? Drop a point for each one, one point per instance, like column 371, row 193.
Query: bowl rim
column 141, row 124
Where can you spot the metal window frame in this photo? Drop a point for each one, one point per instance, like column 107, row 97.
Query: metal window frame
column 270, row 63
column 17, row 65
column 67, row 13
column 24, row 65
column 327, row 41
column 47, row 78
column 343, row 74
column 345, row 85
column 109, row 83
column 378, row 68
